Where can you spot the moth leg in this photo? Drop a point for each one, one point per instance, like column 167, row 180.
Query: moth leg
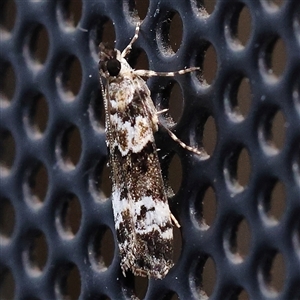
column 149, row 73
column 162, row 111
column 181, row 143
column 175, row 221
column 175, row 138
column 127, row 50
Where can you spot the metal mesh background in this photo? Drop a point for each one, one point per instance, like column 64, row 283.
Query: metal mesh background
column 239, row 208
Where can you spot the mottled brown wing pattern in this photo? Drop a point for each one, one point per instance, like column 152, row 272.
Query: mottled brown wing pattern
column 141, row 211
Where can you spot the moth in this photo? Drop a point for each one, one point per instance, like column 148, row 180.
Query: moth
column 143, row 220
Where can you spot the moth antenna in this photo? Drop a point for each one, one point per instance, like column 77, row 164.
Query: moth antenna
column 127, row 50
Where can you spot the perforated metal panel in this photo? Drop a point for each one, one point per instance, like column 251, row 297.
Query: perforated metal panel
column 239, row 207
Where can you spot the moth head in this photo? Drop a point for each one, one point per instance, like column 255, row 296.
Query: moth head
column 109, row 61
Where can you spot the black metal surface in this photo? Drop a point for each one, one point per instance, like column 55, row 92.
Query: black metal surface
column 56, row 222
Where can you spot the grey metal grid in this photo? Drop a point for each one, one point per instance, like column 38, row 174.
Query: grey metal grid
column 239, row 208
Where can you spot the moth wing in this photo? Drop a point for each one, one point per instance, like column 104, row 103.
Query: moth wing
column 141, row 210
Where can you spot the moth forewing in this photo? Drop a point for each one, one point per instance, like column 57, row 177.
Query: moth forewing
column 143, row 220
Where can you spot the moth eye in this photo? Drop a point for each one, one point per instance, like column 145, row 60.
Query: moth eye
column 113, row 67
